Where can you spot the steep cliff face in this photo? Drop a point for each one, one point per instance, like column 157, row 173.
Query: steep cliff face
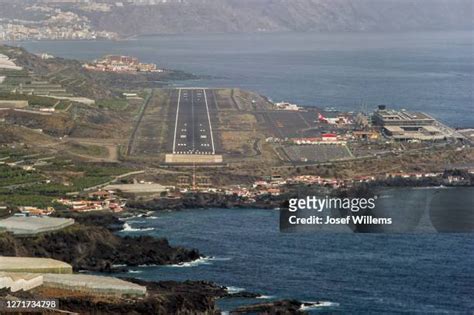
column 96, row 248
column 196, row 16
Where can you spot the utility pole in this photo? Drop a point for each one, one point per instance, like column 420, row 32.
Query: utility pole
column 194, row 175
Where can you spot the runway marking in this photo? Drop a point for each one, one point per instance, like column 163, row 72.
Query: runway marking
column 200, row 139
column 176, row 122
column 209, row 120
column 192, row 119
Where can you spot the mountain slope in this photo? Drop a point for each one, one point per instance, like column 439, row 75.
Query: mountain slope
column 196, row 16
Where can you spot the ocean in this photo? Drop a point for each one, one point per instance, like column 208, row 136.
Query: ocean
column 432, row 72
column 423, row 273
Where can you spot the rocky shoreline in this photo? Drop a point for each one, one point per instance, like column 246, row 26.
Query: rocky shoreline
column 196, row 200
column 204, row 200
column 166, row 297
column 90, row 245
column 163, row 297
column 276, row 307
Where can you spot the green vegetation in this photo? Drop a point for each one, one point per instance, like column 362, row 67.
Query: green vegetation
column 51, row 189
column 119, row 104
column 57, row 164
column 3, row 213
column 91, row 150
column 94, row 174
column 14, row 77
column 14, row 199
column 58, row 177
column 63, row 105
column 32, row 99
column 101, row 169
column 10, row 176
column 39, row 195
column 90, row 181
column 13, row 155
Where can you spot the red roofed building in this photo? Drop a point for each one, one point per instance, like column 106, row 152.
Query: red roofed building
column 329, row 137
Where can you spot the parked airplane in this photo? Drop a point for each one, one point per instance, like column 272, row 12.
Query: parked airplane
column 333, row 121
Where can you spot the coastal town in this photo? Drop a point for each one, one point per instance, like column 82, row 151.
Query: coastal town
column 59, row 25
column 112, row 63
column 62, row 19
column 113, row 198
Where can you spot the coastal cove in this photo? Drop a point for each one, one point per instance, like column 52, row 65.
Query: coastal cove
column 425, row 273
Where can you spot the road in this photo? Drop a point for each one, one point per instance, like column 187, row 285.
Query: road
column 193, row 128
column 146, row 102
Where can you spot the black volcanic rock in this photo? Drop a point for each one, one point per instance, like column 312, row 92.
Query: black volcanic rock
column 283, row 307
column 103, row 219
column 166, row 297
column 205, row 200
column 243, row 295
column 187, row 287
column 96, row 248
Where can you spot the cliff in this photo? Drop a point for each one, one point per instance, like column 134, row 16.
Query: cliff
column 94, row 248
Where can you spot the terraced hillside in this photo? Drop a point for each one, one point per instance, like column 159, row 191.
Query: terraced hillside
column 70, row 75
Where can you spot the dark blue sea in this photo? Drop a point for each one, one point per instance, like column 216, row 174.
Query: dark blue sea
column 433, row 72
column 348, row 273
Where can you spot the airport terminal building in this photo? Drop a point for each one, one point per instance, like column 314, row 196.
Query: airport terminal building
column 404, row 126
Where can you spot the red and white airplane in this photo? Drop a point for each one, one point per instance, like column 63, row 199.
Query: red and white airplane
column 333, row 121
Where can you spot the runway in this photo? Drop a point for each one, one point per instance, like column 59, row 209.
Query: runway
column 193, row 128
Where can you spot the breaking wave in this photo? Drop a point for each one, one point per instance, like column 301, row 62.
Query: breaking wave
column 200, row 261
column 233, row 290
column 309, row 305
column 128, row 228
column 134, row 271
